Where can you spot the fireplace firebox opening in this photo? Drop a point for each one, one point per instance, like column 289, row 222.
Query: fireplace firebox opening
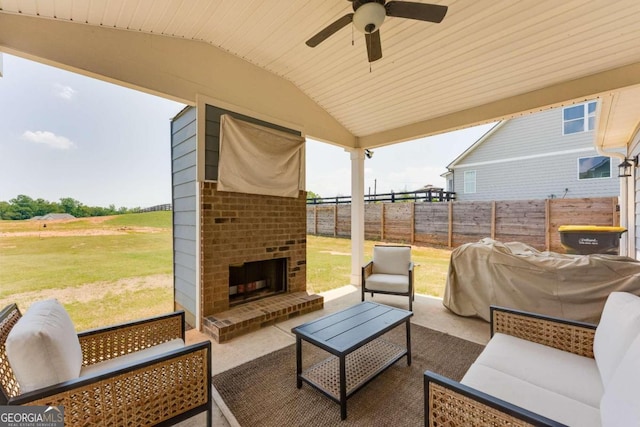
column 250, row 281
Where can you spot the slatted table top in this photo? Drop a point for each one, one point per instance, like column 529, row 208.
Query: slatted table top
column 342, row 332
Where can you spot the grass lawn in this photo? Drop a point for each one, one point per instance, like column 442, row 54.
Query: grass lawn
column 104, row 270
column 108, row 270
column 329, row 265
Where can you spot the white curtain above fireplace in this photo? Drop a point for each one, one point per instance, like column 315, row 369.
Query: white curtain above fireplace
column 259, row 160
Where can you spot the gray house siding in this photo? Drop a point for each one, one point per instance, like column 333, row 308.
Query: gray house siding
column 636, row 202
column 185, row 239
column 529, row 158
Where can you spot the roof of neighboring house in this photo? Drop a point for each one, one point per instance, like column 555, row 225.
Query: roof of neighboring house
column 53, row 216
column 482, row 139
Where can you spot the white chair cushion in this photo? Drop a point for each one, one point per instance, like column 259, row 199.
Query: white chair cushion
column 530, row 396
column 619, row 405
column 391, row 259
column 568, row 374
column 137, row 356
column 387, row 283
column 618, row 327
column 43, row 348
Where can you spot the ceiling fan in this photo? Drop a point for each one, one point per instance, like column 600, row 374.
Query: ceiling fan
column 368, row 16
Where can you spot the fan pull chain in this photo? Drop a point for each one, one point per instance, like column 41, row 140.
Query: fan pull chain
column 353, row 43
column 369, row 44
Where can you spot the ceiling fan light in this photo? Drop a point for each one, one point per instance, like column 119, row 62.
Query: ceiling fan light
column 369, row 17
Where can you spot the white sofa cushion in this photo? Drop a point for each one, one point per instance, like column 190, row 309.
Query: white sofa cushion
column 618, row 327
column 136, row 356
column 43, row 348
column 561, row 372
column 530, row 396
column 387, row 283
column 619, row 405
column 391, row 259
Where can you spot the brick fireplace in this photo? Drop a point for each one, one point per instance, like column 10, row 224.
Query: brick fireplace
column 239, row 235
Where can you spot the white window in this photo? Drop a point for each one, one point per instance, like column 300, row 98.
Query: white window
column 469, row 182
column 450, row 184
column 594, row 167
column 579, row 118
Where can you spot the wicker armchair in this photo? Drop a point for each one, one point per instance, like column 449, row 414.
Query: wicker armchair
column 449, row 402
column 159, row 390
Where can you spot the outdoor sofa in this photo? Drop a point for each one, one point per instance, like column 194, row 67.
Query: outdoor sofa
column 538, row 370
column 138, row 373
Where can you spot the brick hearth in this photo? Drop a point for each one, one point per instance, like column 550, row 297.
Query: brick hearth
column 265, row 312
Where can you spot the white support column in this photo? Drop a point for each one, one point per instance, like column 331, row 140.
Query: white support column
column 628, row 215
column 357, row 215
column 623, row 201
column 630, row 220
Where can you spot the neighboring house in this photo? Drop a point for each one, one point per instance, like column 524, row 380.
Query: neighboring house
column 538, row 156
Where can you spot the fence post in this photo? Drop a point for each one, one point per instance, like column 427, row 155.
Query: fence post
column 493, row 219
column 382, row 214
column 413, row 223
column 315, row 220
column 335, row 220
column 547, row 224
column 450, row 242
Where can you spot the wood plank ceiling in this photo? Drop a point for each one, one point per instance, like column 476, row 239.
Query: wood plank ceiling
column 483, row 51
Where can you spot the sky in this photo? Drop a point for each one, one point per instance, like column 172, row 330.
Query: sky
column 406, row 166
column 67, row 135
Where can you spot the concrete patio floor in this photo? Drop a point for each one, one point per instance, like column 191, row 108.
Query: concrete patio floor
column 428, row 312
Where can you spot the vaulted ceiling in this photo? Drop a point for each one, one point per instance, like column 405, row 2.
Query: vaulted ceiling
column 487, row 60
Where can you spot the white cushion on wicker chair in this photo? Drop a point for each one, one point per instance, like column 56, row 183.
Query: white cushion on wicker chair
column 618, row 327
column 391, row 259
column 530, row 396
column 568, row 374
column 43, row 348
column 136, row 356
column 619, row 405
column 388, row 282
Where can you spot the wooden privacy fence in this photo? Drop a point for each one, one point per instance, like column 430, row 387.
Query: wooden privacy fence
column 534, row 222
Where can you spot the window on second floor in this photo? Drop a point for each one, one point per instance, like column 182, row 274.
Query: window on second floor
column 469, row 182
column 578, row 118
column 594, row 167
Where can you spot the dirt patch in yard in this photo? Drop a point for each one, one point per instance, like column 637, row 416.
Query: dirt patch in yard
column 335, row 253
column 83, row 232
column 91, row 291
column 90, row 226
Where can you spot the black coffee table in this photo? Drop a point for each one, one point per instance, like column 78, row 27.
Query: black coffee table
column 353, row 338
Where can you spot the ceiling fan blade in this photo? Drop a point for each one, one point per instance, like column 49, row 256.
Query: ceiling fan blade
column 329, row 30
column 374, row 46
column 421, row 11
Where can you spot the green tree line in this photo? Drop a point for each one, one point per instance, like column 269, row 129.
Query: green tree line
column 24, row 207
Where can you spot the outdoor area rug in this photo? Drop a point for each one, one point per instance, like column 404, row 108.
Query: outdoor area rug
column 263, row 392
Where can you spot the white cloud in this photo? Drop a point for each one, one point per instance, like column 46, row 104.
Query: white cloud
column 64, row 92
column 48, row 138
